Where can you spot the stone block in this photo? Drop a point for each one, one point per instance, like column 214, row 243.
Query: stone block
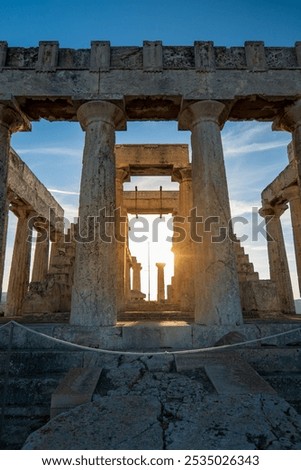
column 204, row 56
column 152, row 56
column 47, row 56
column 100, row 57
column 298, row 53
column 76, row 388
column 3, row 54
column 259, row 297
column 255, row 56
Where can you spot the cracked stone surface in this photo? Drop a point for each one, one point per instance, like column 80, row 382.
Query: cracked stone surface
column 146, row 404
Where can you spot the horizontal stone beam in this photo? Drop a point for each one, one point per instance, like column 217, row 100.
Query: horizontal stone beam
column 152, row 159
column 273, row 192
column 25, row 186
column 152, row 81
column 150, row 202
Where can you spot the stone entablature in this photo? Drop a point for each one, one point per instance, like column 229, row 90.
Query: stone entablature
column 101, row 56
column 152, row 82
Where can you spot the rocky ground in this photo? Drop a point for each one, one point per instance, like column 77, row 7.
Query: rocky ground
column 152, row 403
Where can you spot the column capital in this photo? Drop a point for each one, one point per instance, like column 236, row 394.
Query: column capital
column 182, row 174
column 271, row 211
column 207, row 110
column 122, row 174
column 160, row 265
column 101, row 111
column 290, row 119
column 12, row 118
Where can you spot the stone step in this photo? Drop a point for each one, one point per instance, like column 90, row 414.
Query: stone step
column 273, row 360
column 229, row 373
column 76, row 388
column 25, row 391
column 155, row 316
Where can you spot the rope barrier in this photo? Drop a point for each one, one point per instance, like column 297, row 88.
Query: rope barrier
column 151, row 353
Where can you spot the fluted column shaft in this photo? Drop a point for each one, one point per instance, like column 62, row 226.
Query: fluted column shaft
column 293, row 196
column 41, row 258
column 121, row 229
column 279, row 270
column 20, row 266
column 136, row 275
column 217, row 297
column 11, row 120
column 160, row 282
column 94, row 292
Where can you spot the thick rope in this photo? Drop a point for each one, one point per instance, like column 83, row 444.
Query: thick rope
column 151, row 353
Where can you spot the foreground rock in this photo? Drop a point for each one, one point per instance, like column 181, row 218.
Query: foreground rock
column 146, row 404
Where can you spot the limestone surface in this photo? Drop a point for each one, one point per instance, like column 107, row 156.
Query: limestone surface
column 145, row 403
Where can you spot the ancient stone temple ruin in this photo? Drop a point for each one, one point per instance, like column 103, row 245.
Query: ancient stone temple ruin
column 85, row 281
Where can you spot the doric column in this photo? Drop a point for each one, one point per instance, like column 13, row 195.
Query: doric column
column 121, row 230
column 291, row 121
column 136, row 274
column 127, row 284
column 41, row 256
column 94, row 300
column 20, row 266
column 160, row 282
column 292, row 194
column 279, row 270
column 183, row 249
column 11, row 120
column 217, row 297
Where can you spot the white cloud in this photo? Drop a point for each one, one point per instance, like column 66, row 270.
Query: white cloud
column 60, row 191
column 57, row 151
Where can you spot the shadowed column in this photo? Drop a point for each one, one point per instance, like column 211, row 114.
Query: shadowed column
column 94, row 292
column 217, row 297
column 161, row 283
column 11, row 120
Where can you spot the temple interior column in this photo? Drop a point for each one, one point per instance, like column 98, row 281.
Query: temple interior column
column 127, row 286
column 184, row 247
column 94, row 295
column 217, row 296
column 136, row 274
column 41, row 257
column 20, row 266
column 11, row 120
column 121, row 230
column 160, row 282
column 292, row 194
column 279, row 270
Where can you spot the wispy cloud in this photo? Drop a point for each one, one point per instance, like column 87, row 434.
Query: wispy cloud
column 60, row 191
column 56, row 151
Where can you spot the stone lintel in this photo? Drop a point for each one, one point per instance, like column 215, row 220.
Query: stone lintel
column 100, row 58
column 24, row 185
column 204, row 56
column 255, row 56
column 274, row 191
column 150, row 202
column 152, row 56
column 141, row 158
column 47, row 56
column 290, row 119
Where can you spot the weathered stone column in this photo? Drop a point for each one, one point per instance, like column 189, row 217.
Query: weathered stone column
column 127, row 285
column 292, row 194
column 161, row 283
column 136, row 274
column 121, row 230
column 217, row 297
column 11, row 120
column 184, row 248
column 291, row 121
column 279, row 270
column 20, row 266
column 41, row 257
column 94, row 300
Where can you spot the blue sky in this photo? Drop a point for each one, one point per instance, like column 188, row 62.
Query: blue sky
column 254, row 154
